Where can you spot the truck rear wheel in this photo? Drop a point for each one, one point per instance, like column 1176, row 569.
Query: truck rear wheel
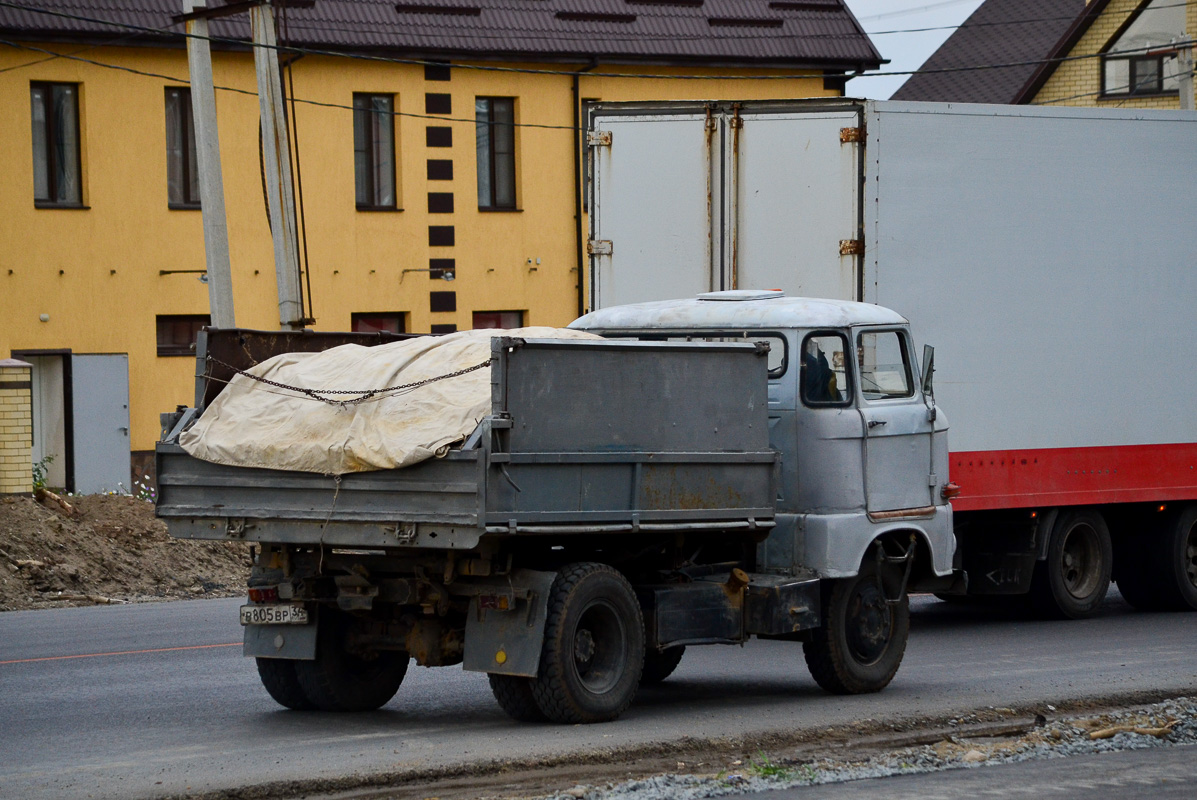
column 659, row 665
column 1073, row 581
column 862, row 640
column 338, row 680
column 593, row 650
column 514, row 694
column 278, row 676
column 1158, row 571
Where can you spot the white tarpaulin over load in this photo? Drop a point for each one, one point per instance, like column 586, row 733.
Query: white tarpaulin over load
column 255, row 424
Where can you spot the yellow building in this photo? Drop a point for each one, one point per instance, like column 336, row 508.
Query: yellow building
column 1104, row 53
column 435, row 150
column 1118, row 53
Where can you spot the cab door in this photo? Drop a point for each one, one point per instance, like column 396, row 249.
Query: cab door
column 897, row 423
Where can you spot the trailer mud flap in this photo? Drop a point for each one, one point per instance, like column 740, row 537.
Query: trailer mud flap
column 505, row 627
column 281, row 641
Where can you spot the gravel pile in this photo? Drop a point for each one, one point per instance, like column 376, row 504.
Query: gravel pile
column 1163, row 724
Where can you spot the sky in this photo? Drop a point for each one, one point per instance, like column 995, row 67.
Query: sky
column 906, row 51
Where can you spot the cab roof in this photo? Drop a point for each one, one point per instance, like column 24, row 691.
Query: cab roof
column 737, row 309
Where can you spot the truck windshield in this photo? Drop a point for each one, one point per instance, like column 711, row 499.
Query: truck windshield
column 884, row 365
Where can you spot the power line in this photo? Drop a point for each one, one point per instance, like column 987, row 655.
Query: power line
column 293, row 49
column 568, row 73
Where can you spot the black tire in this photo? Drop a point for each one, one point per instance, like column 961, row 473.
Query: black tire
column 515, row 697
column 1072, row 582
column 278, row 676
column 1172, row 561
column 338, row 680
column 593, row 650
column 659, row 665
column 862, row 640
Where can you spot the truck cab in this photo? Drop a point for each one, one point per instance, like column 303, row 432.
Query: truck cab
column 863, row 446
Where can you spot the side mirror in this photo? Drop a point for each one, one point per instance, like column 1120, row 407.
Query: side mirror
column 928, row 370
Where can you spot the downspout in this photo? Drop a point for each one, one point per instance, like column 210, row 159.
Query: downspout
column 579, row 188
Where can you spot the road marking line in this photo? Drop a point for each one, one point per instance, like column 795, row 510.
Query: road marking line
column 121, row 653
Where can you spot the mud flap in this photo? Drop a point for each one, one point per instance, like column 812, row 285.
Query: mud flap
column 281, row 641
column 505, row 626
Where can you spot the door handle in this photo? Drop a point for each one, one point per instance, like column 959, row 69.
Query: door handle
column 873, row 423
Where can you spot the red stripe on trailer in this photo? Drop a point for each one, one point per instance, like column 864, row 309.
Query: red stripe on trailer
column 1070, row 476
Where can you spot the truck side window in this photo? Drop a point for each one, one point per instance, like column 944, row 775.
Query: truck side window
column 884, row 365
column 824, row 377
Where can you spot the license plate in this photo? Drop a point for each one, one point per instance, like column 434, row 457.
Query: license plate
column 274, row 615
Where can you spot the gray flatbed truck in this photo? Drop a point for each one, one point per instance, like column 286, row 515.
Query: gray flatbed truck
column 741, row 464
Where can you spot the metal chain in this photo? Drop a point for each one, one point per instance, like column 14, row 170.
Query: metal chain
column 365, row 394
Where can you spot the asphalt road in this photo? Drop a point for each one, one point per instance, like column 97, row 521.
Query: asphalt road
column 149, row 700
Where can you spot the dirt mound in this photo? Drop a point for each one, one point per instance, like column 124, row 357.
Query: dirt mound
column 111, row 548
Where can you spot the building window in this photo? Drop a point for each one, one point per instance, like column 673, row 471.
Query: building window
column 495, row 118
column 56, row 175
column 374, row 150
column 182, row 171
column 439, row 302
column 1132, row 62
column 177, row 332
column 379, row 322
column 499, row 319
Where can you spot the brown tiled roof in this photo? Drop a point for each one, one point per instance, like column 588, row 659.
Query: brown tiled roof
column 819, row 33
column 998, row 32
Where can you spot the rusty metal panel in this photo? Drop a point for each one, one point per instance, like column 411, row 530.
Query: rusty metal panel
column 776, row 606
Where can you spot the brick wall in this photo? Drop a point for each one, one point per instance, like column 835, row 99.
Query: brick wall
column 16, row 428
column 1078, row 83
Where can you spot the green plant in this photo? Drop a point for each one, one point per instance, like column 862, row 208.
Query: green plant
column 40, row 469
column 764, row 767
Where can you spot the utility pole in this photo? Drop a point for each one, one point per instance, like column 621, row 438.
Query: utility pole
column 276, row 156
column 211, row 182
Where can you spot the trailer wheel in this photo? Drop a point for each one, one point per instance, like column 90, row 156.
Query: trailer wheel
column 660, row 665
column 338, row 680
column 860, row 645
column 1072, row 582
column 593, row 649
column 514, row 694
column 1178, row 560
column 278, row 676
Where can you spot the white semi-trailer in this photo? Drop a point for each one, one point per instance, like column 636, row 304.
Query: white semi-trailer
column 1047, row 253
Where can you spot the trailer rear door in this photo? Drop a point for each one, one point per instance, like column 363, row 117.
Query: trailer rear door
column 688, row 198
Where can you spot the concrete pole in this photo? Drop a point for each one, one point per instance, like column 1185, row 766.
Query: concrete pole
column 1184, row 63
column 276, row 155
column 211, row 182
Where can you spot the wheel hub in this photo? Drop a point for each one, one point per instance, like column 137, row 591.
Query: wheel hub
column 1079, row 560
column 869, row 627
column 583, row 649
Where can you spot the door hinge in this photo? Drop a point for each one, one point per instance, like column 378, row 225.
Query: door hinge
column 852, row 247
column 852, row 135
column 598, row 138
column 599, row 247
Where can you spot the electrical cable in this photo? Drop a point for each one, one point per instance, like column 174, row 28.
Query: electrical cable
column 525, row 70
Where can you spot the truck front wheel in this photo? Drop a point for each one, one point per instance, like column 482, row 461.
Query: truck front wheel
column 593, row 648
column 338, row 680
column 1072, row 582
column 863, row 638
